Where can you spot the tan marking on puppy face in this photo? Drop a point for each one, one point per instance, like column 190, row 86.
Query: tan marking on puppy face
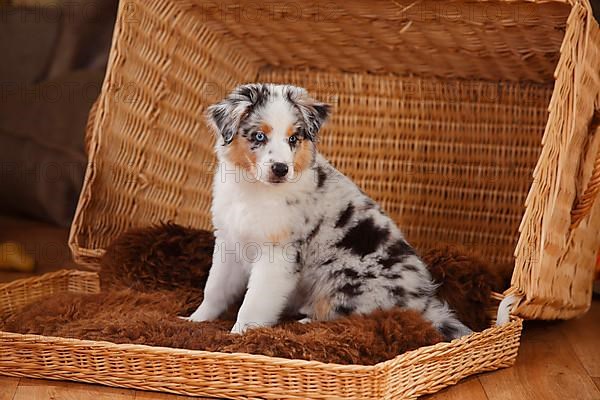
column 266, row 128
column 280, row 236
column 322, row 309
column 240, row 154
column 303, row 157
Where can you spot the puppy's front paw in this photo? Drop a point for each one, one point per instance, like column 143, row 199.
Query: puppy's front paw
column 240, row 327
column 237, row 330
column 203, row 313
column 191, row 318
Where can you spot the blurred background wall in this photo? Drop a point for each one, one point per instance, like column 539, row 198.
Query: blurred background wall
column 53, row 57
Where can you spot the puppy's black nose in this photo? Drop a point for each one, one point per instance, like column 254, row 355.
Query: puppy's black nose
column 279, row 169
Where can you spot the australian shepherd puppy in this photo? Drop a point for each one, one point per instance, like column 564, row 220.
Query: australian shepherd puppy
column 295, row 235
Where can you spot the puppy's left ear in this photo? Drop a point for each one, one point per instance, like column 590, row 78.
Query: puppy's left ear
column 314, row 113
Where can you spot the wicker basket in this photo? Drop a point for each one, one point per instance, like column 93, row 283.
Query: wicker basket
column 439, row 111
column 238, row 376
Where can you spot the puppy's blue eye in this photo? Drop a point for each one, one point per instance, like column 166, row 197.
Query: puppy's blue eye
column 259, row 137
column 293, row 139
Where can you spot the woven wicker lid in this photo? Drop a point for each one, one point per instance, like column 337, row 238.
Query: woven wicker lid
column 491, row 40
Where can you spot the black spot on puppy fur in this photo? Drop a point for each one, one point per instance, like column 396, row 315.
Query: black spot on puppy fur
column 392, row 275
column 348, row 272
column 369, row 275
column 448, row 331
column 410, row 267
column 353, row 274
column 321, row 177
column 400, row 247
column 256, row 93
column 344, row 310
column 352, row 289
column 314, row 231
column 345, row 216
column 327, row 262
column 397, row 253
column 364, row 238
column 398, row 291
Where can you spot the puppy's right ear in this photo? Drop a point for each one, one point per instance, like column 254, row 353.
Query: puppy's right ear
column 224, row 120
column 226, row 116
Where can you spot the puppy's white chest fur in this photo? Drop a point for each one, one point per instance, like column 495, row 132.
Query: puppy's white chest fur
column 248, row 213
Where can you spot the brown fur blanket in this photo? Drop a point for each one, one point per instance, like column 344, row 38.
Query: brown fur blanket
column 150, row 276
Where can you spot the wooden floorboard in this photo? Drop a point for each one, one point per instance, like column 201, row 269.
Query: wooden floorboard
column 469, row 388
column 547, row 368
column 8, row 387
column 36, row 389
column 582, row 334
column 162, row 396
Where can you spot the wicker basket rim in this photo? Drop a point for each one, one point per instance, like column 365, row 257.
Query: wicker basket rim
column 48, row 275
column 407, row 357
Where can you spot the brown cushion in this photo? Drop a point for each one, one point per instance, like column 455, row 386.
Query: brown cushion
column 42, row 130
column 28, row 36
column 39, row 181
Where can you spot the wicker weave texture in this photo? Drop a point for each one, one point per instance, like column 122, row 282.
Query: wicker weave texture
column 16, row 295
column 237, row 376
column 489, row 40
column 556, row 258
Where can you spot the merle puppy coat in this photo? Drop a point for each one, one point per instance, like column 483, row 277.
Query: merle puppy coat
column 292, row 232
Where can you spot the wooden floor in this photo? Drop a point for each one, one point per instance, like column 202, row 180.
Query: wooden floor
column 557, row 360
